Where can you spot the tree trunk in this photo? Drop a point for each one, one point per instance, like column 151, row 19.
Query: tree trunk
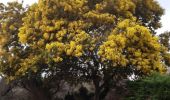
column 97, row 94
column 37, row 92
column 96, row 82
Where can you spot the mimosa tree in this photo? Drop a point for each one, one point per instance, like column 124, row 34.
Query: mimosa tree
column 102, row 41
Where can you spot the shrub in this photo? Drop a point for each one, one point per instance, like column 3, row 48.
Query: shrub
column 153, row 87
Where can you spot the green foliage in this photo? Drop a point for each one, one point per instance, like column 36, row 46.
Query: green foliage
column 164, row 40
column 153, row 87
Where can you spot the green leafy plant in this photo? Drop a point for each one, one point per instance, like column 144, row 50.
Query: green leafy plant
column 153, row 87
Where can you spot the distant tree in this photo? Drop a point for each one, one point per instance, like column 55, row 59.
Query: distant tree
column 11, row 50
column 102, row 41
column 164, row 40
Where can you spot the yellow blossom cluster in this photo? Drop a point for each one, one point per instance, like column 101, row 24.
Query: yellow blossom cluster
column 60, row 34
column 57, row 48
column 131, row 43
column 50, row 26
column 112, row 50
column 74, row 49
column 100, row 17
column 74, row 6
column 80, row 36
column 28, row 64
column 100, row 6
column 78, row 24
column 125, row 7
column 22, row 37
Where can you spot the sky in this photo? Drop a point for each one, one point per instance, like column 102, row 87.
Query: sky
column 164, row 4
column 165, row 18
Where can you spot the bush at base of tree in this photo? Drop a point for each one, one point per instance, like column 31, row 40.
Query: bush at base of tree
column 154, row 87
